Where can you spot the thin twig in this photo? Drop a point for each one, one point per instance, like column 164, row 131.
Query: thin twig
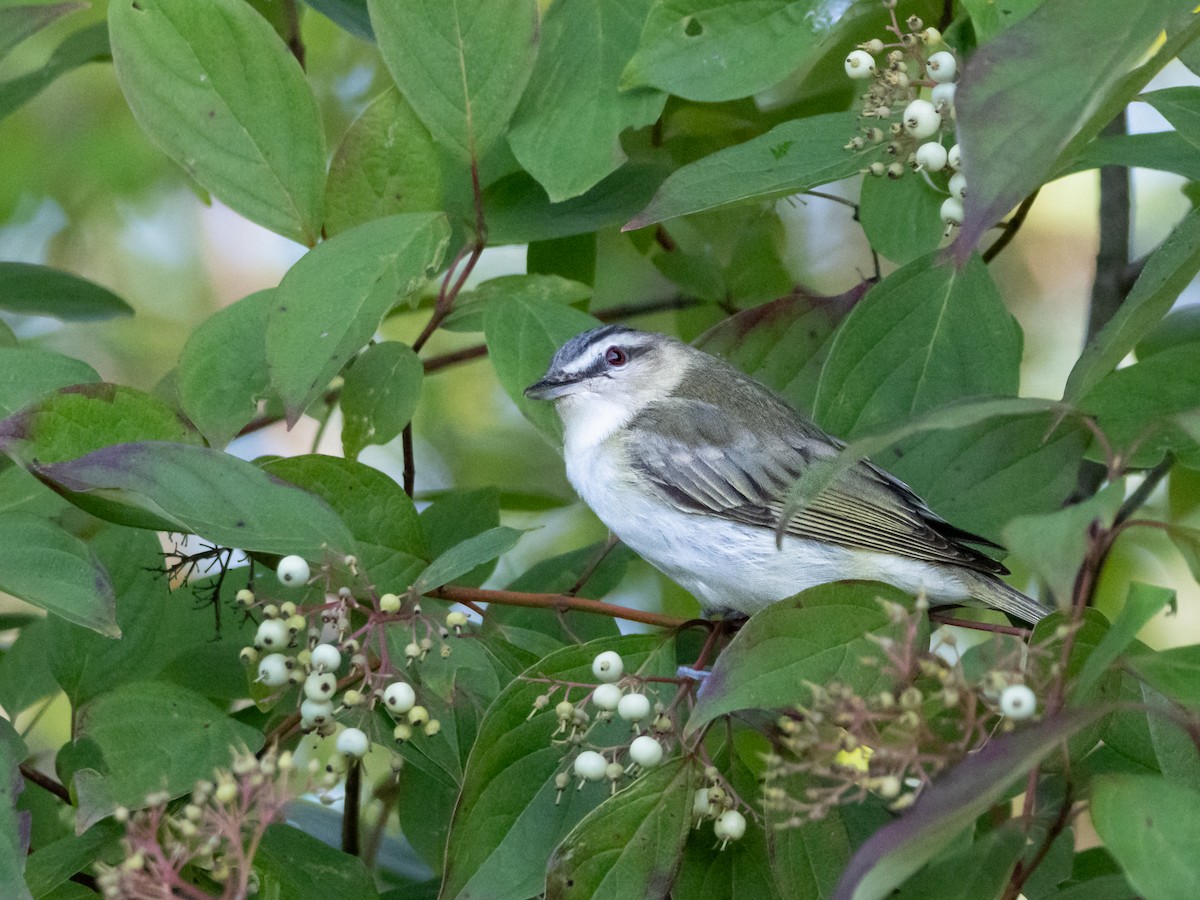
column 1011, row 227
column 410, row 468
column 29, row 773
column 293, row 39
column 350, row 808
column 556, row 602
column 1142, row 492
column 1015, row 630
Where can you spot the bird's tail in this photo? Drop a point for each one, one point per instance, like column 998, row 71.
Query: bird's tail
column 993, row 592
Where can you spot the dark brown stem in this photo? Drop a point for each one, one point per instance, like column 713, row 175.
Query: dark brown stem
column 1014, row 630
column 29, row 773
column 1011, row 227
column 436, row 363
column 294, row 41
column 1022, row 871
column 410, row 468
column 593, row 564
column 350, row 808
column 560, row 602
column 1112, row 257
column 1143, row 491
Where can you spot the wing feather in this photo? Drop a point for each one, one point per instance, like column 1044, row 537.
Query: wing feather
column 702, row 459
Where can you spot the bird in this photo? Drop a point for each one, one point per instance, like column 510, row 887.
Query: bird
column 688, row 461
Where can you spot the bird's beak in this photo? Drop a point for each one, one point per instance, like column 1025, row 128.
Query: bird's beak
column 551, row 387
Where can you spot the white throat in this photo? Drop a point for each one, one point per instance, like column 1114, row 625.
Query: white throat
column 588, row 420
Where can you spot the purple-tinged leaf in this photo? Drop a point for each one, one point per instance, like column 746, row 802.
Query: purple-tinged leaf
column 951, row 804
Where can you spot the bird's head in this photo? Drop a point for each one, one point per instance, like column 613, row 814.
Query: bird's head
column 612, row 372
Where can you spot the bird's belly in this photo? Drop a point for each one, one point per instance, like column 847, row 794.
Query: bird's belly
column 726, row 565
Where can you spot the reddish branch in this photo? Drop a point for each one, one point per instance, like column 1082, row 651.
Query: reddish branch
column 558, row 602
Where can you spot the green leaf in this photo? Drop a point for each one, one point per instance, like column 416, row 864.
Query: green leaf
column 1144, row 602
column 389, row 541
column 215, row 87
column 631, row 841
column 223, row 368
column 924, row 336
column 789, row 159
column 1138, row 407
column 19, row 22
column 1011, row 129
column 471, row 306
column 25, row 677
column 331, row 302
column 84, row 46
column 506, row 822
column 818, row 636
column 291, row 863
column 153, row 736
column 1180, row 326
column 85, row 663
column 523, row 330
column 980, row 871
column 1054, row 544
column 379, row 395
column 713, row 51
column 386, row 164
column 520, row 212
column 461, row 64
column 566, row 131
column 461, row 559
column 1181, row 107
column 27, row 374
column 951, row 805
column 1174, row 672
column 1167, row 272
column 14, row 826
column 207, row 493
column 42, row 291
column 1165, row 151
column 901, row 217
column 54, row 863
column 990, row 17
column 1151, row 826
column 86, row 417
column 783, row 343
column 44, row 565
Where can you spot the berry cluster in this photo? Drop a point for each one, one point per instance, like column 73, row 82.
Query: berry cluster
column 209, row 839
column 306, row 647
column 892, row 743
column 918, row 83
column 623, row 697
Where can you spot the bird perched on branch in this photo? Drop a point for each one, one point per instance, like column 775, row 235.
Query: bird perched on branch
column 689, row 461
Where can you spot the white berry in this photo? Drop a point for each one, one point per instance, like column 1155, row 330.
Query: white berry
column 730, row 826
column 608, row 666
column 292, row 571
column 1017, row 701
column 389, row 603
column 646, row 751
column 352, row 742
column 326, row 658
column 701, row 803
column 399, row 697
column 607, row 697
column 958, row 185
column 273, row 670
column 860, row 64
column 954, row 158
column 942, row 66
column 316, row 712
column 931, row 156
column 320, row 685
column 272, row 635
column 952, row 211
column 942, row 96
column 921, row 120
column 633, row 707
column 590, row 766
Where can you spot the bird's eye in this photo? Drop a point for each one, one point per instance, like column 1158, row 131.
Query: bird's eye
column 615, row 356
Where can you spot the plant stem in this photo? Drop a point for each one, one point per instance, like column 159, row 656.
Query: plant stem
column 561, row 602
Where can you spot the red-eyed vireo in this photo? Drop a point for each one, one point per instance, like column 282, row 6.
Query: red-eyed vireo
column 688, row 460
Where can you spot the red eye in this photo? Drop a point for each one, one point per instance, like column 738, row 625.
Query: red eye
column 615, row 356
